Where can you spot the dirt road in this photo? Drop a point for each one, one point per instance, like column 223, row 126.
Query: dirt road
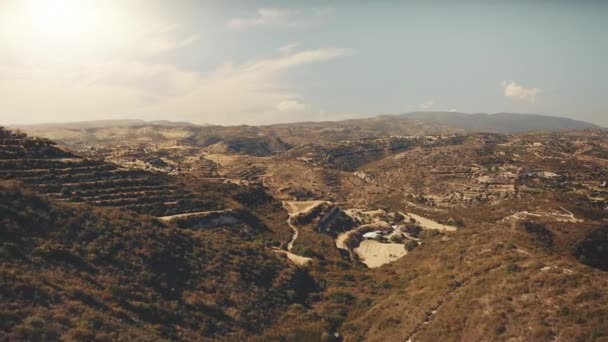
column 294, row 208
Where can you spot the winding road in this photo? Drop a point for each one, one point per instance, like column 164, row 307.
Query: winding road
column 295, row 208
column 294, row 236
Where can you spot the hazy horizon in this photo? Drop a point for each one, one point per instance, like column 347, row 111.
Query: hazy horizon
column 264, row 62
column 127, row 119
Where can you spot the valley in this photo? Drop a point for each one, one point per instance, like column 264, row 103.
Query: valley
column 341, row 237
column 303, row 171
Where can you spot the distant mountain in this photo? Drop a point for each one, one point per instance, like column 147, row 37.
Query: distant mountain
column 108, row 123
column 500, row 122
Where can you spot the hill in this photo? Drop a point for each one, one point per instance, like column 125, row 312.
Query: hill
column 83, row 273
column 175, row 140
column 468, row 236
column 500, row 122
column 49, row 170
column 254, row 146
column 107, row 123
column 41, row 166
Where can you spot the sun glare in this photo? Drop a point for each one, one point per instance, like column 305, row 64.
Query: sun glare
column 47, row 29
column 62, row 18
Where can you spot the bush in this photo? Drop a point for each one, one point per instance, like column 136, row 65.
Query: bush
column 429, row 233
column 304, row 251
column 388, row 322
column 35, row 328
column 410, row 245
column 365, row 303
column 396, row 238
column 381, row 238
column 80, row 334
column 593, row 249
column 540, row 234
column 588, row 296
column 413, row 229
column 335, row 317
column 341, row 297
column 348, row 277
column 512, row 267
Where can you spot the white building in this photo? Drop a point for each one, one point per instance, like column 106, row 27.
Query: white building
column 373, row 235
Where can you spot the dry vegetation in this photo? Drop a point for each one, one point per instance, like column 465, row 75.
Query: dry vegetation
column 75, row 272
column 94, row 249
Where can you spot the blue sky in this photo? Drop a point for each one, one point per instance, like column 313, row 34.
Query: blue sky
column 258, row 62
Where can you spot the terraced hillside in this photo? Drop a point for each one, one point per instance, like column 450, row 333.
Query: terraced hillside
column 49, row 170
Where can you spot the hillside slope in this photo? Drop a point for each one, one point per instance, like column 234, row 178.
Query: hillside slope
column 524, row 257
column 83, row 273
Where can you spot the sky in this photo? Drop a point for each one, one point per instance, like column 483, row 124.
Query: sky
column 260, row 62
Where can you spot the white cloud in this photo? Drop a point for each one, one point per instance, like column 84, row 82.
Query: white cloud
column 452, row 110
column 513, row 90
column 120, row 68
column 279, row 17
column 288, row 48
column 428, row 104
column 297, row 58
column 291, row 106
column 232, row 94
column 264, row 16
column 160, row 42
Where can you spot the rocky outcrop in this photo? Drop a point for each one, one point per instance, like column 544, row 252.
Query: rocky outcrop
column 327, row 219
